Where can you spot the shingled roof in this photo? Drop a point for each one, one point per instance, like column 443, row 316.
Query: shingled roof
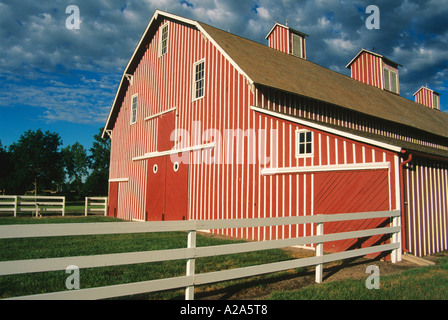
column 272, row 68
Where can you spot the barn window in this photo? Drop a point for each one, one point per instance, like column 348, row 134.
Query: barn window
column 297, row 46
column 304, row 143
column 436, row 102
column 199, row 79
column 390, row 80
column 163, row 45
column 134, row 109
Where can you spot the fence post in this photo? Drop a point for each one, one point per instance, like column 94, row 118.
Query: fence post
column 105, row 206
column 189, row 292
column 319, row 252
column 15, row 206
column 86, row 204
column 396, row 238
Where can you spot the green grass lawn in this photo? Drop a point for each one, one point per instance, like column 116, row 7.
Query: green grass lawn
column 424, row 283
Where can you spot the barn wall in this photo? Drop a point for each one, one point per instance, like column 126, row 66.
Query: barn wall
column 164, row 83
column 368, row 69
column 426, row 194
column 304, row 194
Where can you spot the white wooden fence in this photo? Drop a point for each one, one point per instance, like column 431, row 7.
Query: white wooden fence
column 192, row 252
column 95, row 204
column 35, row 204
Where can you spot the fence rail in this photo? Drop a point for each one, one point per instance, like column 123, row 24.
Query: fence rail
column 95, row 204
column 191, row 252
column 34, row 204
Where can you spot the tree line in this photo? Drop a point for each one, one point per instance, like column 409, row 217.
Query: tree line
column 38, row 164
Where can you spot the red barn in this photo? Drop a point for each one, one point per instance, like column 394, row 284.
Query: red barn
column 208, row 125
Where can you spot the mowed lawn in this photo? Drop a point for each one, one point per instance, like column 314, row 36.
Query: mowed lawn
column 417, row 284
column 423, row 283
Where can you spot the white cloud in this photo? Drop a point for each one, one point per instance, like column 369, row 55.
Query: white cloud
column 341, row 44
column 264, row 13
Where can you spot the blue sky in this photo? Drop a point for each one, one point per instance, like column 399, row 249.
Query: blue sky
column 64, row 80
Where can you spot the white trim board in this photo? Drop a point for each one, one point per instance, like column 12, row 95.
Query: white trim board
column 119, row 180
column 174, row 151
column 327, row 129
column 160, row 114
column 332, row 167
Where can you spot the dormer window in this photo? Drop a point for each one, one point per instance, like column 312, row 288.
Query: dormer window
column 375, row 70
column 390, row 80
column 287, row 40
column 436, row 101
column 297, row 46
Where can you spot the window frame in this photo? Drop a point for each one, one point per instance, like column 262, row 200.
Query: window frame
column 435, row 101
column 133, row 117
column 165, row 26
column 195, row 82
column 306, row 154
column 388, row 85
column 297, row 39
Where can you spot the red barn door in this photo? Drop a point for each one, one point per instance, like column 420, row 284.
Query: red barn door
column 167, row 190
column 176, row 198
column 113, row 199
column 350, row 192
column 167, row 184
column 155, row 193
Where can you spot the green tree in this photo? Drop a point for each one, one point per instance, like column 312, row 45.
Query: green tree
column 37, row 161
column 76, row 164
column 97, row 182
column 5, row 168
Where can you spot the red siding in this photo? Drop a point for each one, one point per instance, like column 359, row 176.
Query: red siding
column 279, row 39
column 368, row 69
column 425, row 97
column 162, row 84
column 302, row 194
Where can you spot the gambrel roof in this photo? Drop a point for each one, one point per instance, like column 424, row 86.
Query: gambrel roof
column 264, row 66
